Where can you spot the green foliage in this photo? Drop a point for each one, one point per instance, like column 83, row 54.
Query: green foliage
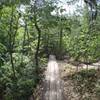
column 20, row 28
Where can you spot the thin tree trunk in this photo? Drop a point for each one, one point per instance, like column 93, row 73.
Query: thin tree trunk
column 23, row 46
column 60, row 44
column 11, row 43
column 60, row 41
column 12, row 63
column 38, row 46
column 14, row 36
column 38, row 40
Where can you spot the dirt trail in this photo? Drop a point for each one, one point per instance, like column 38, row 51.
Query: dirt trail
column 53, row 85
column 58, row 83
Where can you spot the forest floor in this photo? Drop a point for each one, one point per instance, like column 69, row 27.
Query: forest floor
column 83, row 84
column 80, row 84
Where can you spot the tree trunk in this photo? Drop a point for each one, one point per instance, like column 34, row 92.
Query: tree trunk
column 38, row 42
column 12, row 64
column 38, row 47
column 60, row 41
column 11, row 42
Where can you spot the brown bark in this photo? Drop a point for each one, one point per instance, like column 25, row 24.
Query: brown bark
column 39, row 38
column 11, row 44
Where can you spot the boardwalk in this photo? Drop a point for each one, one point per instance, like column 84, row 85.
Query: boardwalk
column 53, row 84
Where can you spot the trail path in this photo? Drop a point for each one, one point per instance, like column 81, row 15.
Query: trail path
column 53, row 89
